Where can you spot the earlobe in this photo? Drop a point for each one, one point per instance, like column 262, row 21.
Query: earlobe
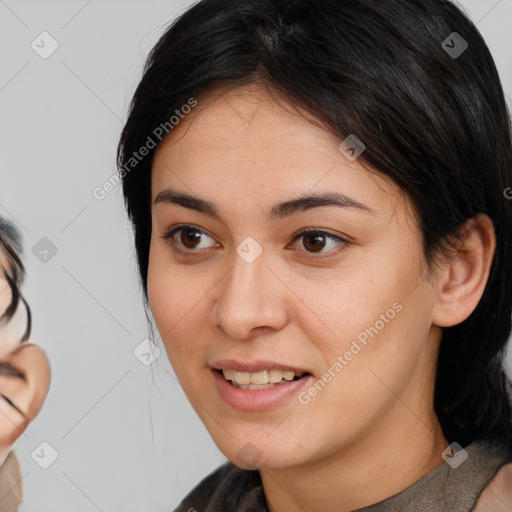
column 463, row 278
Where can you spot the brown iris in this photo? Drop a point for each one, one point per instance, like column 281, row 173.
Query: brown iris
column 186, row 237
column 314, row 242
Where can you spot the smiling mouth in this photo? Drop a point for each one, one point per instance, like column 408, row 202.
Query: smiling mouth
column 260, row 380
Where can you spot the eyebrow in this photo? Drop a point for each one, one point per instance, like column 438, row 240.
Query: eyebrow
column 277, row 212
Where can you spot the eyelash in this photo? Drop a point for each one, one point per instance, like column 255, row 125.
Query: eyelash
column 183, row 227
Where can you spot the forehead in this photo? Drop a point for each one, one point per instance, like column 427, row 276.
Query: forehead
column 245, row 142
column 246, row 120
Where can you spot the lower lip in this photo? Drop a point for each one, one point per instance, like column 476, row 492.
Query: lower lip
column 258, row 399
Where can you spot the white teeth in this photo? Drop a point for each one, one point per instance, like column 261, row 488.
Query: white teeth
column 258, row 380
column 242, row 378
column 253, row 386
column 259, row 377
column 229, row 374
column 275, row 376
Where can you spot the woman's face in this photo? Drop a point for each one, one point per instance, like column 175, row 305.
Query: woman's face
column 243, row 290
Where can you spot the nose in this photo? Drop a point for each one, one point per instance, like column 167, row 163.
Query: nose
column 251, row 299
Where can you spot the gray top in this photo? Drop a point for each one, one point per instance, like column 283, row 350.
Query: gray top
column 231, row 489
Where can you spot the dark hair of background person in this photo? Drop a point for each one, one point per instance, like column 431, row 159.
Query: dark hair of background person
column 13, row 271
column 436, row 125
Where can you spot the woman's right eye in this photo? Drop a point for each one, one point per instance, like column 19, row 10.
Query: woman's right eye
column 186, row 237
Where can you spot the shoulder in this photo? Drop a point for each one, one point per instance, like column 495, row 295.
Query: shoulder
column 497, row 496
column 227, row 488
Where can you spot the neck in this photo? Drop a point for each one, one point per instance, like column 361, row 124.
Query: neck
column 371, row 469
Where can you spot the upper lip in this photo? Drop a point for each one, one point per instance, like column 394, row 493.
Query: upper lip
column 256, row 366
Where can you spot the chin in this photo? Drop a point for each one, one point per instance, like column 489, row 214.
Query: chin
column 257, row 454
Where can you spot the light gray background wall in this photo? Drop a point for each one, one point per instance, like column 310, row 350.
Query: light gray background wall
column 60, row 122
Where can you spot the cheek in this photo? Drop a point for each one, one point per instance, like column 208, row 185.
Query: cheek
column 177, row 303
column 346, row 303
column 376, row 317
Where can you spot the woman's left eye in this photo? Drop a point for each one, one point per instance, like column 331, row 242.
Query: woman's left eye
column 315, row 241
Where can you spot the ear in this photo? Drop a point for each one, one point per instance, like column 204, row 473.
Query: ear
column 461, row 279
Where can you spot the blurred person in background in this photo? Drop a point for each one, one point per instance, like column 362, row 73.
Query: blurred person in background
column 24, row 367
